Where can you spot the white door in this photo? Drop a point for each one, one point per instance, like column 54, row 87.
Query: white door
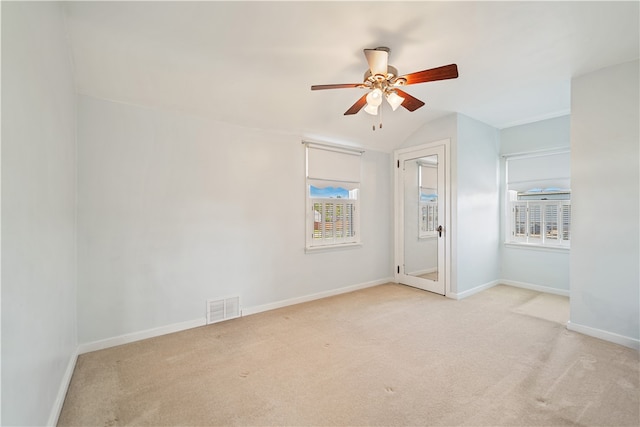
column 421, row 217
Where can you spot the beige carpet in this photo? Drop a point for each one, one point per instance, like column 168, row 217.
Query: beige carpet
column 388, row 355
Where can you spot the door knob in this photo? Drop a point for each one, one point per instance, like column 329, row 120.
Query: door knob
column 439, row 229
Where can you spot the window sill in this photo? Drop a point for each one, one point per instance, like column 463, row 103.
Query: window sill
column 533, row 246
column 328, row 248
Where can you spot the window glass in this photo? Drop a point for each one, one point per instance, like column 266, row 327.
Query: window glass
column 329, row 192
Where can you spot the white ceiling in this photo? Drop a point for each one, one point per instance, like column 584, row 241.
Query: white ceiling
column 253, row 63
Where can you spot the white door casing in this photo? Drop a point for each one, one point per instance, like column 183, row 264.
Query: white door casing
column 412, row 243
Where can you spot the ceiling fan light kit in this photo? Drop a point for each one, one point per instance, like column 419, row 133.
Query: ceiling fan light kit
column 394, row 100
column 374, row 97
column 382, row 80
column 371, row 109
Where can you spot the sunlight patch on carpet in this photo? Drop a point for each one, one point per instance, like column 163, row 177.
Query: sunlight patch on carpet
column 554, row 308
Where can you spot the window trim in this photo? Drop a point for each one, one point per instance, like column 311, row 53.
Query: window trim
column 536, row 247
column 329, row 248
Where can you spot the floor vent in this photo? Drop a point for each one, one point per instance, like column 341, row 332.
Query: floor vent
column 223, row 309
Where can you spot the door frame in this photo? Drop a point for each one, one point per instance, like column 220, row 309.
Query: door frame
column 421, row 151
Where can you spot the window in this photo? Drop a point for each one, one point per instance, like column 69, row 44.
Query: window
column 428, row 218
column 539, row 199
column 332, row 195
column 428, row 202
column 541, row 222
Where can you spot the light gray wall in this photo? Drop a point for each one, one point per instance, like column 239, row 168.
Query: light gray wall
column 541, row 135
column 38, row 211
column 442, row 128
column 478, row 204
column 539, row 267
column 604, row 180
column 174, row 210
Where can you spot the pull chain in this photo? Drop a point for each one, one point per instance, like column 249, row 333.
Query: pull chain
column 375, row 117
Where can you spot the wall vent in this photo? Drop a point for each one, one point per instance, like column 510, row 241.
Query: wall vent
column 223, row 309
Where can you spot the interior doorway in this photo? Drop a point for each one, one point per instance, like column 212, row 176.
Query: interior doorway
column 422, row 217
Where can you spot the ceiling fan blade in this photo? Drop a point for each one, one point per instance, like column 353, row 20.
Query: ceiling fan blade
column 441, row 73
column 378, row 61
column 357, row 106
column 336, row 86
column 410, row 103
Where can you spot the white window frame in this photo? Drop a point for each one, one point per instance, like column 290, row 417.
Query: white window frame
column 522, row 232
column 338, row 225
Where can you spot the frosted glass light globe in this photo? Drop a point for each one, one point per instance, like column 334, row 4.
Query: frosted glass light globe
column 374, row 97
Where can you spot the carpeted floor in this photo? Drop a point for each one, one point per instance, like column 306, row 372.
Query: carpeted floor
column 387, row 355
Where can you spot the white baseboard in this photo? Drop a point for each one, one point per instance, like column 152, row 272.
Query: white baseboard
column 604, row 335
column 142, row 335
column 539, row 288
column 62, row 391
column 468, row 293
column 247, row 311
column 177, row 327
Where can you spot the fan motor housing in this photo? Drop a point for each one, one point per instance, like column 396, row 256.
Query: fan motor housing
column 392, row 73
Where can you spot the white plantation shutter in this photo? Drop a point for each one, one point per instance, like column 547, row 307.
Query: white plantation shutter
column 519, row 225
column 541, row 222
column 535, row 221
column 566, row 221
column 350, row 214
column 428, row 218
column 333, row 222
column 551, row 222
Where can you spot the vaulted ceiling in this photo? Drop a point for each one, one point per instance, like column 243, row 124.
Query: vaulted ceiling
column 252, row 63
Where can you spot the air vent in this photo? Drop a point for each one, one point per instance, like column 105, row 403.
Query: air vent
column 223, row 309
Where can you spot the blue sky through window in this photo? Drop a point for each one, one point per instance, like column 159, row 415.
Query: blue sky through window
column 428, row 197
column 329, row 192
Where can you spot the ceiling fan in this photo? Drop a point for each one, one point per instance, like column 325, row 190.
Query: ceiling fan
column 382, row 81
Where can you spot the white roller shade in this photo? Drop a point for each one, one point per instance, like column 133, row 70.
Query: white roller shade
column 542, row 171
column 333, row 164
column 428, row 176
